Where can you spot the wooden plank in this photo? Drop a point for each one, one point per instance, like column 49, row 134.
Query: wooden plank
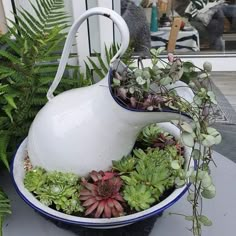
column 174, row 34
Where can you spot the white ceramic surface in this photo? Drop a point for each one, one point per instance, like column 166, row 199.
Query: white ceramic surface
column 18, row 174
column 84, row 129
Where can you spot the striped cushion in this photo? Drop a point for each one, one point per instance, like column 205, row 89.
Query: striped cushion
column 195, row 6
column 202, row 6
column 199, row 4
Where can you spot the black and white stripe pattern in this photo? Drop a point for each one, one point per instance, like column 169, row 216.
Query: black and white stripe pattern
column 199, row 4
column 195, row 6
column 186, row 41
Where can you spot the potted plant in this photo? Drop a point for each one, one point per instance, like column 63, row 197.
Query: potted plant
column 129, row 190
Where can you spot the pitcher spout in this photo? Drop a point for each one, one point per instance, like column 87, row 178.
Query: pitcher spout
column 144, row 118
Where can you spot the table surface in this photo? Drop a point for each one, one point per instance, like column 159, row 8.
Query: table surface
column 221, row 210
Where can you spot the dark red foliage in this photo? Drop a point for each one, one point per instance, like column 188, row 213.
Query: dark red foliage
column 101, row 197
column 162, row 141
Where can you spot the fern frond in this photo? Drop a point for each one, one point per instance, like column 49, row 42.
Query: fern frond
column 88, row 73
column 19, row 31
column 28, row 66
column 37, row 12
column 108, row 58
column 31, row 21
column 97, row 70
column 10, row 57
column 5, row 207
column 39, row 101
column 4, row 141
column 12, row 44
column 101, row 63
column 41, row 10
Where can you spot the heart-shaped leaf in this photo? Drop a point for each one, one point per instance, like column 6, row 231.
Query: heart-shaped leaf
column 187, row 139
column 186, row 127
column 208, row 140
column 204, row 220
column 209, row 192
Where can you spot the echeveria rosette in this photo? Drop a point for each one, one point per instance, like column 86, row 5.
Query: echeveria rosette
column 35, row 179
column 139, row 197
column 64, row 197
column 125, row 165
column 101, row 196
column 57, row 189
column 57, row 177
column 155, row 169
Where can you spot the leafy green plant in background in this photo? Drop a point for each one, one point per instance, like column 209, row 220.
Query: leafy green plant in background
column 99, row 66
column 28, row 65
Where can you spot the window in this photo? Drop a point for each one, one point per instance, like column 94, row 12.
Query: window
column 208, row 28
column 213, row 35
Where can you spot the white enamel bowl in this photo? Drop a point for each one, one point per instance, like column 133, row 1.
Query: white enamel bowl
column 18, row 173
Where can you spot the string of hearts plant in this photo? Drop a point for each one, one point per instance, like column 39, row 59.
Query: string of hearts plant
column 156, row 163
column 148, row 88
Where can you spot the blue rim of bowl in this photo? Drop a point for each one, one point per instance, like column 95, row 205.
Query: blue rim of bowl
column 97, row 225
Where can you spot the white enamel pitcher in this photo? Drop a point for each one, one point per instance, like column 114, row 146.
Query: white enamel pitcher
column 85, row 129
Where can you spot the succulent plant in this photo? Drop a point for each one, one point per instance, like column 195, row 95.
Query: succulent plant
column 65, row 198
column 57, row 189
column 101, row 196
column 156, row 171
column 34, row 179
column 139, row 197
column 153, row 136
column 157, row 176
column 125, row 165
column 149, row 133
column 68, row 179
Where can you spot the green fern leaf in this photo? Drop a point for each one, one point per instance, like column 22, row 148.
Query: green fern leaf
column 108, row 58
column 10, row 57
column 42, row 12
column 38, row 14
column 4, row 140
column 89, row 74
column 12, row 44
column 19, row 31
column 24, row 26
column 96, row 68
column 45, row 6
column 5, row 208
column 31, row 22
column 101, row 63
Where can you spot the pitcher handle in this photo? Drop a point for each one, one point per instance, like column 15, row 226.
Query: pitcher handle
column 115, row 17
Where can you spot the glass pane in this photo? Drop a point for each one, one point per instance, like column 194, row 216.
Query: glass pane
column 206, row 26
column 93, row 29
